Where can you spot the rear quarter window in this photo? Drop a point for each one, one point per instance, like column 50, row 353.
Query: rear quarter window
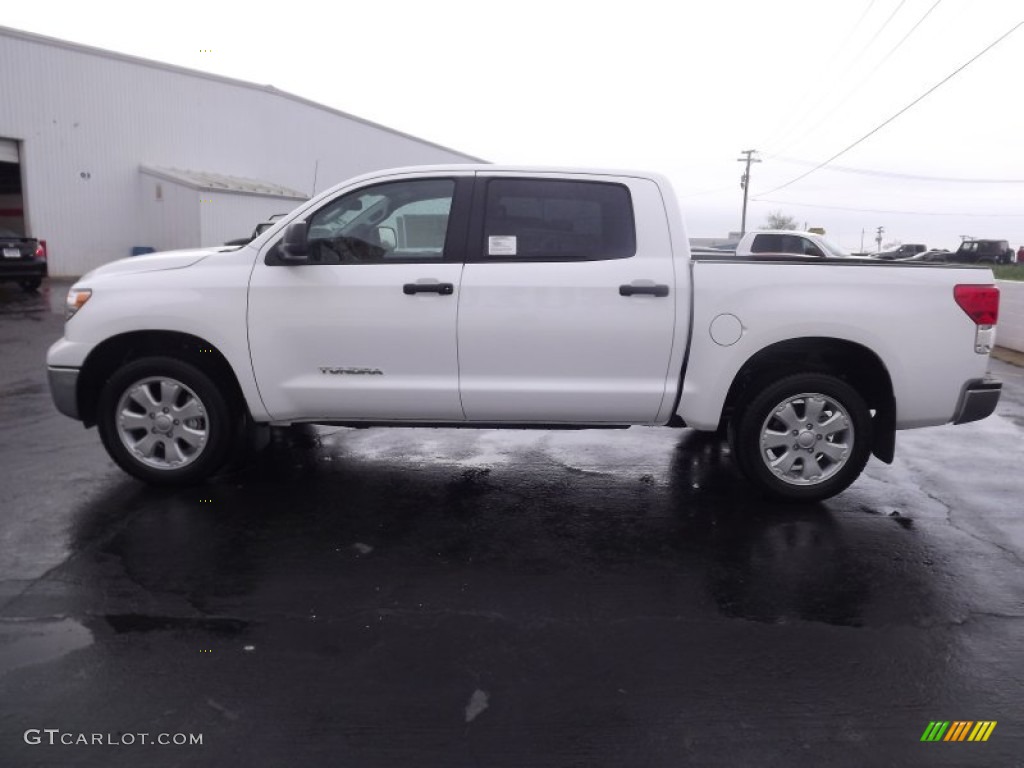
column 794, row 244
column 767, row 244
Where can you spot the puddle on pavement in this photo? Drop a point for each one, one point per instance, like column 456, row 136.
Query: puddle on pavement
column 133, row 622
column 27, row 642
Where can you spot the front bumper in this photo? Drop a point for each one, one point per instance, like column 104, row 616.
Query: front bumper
column 978, row 399
column 64, row 390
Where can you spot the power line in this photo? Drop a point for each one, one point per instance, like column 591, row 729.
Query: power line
column 860, row 20
column 908, row 176
column 904, row 38
column 884, row 25
column 877, row 33
column 855, row 27
column 886, row 210
column 784, row 127
column 849, row 70
column 872, row 132
column 853, row 91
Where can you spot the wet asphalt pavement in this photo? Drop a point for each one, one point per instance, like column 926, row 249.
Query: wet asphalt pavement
column 485, row 598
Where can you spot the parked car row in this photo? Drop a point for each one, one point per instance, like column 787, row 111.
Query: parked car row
column 932, row 255
column 772, row 244
column 22, row 260
column 905, row 251
column 971, row 251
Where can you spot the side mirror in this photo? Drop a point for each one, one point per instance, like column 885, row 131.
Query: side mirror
column 295, row 245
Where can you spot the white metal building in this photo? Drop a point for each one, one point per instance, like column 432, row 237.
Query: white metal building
column 101, row 152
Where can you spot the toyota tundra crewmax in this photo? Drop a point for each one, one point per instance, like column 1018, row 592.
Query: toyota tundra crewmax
column 482, row 296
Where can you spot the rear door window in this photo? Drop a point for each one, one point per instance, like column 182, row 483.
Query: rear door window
column 555, row 220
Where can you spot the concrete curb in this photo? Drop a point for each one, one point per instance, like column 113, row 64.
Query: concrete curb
column 1011, row 356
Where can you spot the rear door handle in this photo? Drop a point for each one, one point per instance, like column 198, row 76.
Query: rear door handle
column 444, row 289
column 661, row 291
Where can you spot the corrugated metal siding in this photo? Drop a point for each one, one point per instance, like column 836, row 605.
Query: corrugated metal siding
column 88, row 120
column 170, row 215
column 224, row 216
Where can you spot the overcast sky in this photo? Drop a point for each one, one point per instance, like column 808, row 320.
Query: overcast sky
column 637, row 85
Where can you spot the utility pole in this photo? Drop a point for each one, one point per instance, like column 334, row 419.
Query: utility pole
column 862, row 239
column 745, row 183
column 878, row 239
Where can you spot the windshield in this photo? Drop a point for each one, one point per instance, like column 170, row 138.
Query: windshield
column 831, row 249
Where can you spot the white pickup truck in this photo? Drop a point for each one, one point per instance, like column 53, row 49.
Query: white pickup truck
column 482, row 296
column 770, row 242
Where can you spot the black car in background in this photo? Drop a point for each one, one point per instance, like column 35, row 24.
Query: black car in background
column 903, row 252
column 934, row 255
column 22, row 260
column 974, row 251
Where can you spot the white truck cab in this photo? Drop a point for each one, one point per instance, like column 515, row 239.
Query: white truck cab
column 789, row 242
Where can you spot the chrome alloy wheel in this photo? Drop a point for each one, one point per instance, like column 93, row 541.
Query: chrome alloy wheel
column 162, row 423
column 807, row 438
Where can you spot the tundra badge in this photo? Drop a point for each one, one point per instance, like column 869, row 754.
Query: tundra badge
column 351, row 371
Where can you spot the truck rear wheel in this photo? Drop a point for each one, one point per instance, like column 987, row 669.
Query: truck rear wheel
column 165, row 421
column 805, row 437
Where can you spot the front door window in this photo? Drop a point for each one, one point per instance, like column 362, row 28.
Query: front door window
column 386, row 223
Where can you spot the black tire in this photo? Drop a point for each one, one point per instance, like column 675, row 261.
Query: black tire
column 30, row 284
column 181, row 451
column 837, row 445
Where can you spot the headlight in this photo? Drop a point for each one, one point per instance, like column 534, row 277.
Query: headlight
column 75, row 301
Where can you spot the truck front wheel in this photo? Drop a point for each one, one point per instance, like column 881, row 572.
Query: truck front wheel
column 805, row 437
column 165, row 421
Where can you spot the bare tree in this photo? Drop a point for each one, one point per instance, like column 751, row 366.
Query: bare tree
column 779, row 220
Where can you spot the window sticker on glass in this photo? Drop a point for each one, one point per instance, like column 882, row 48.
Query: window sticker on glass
column 501, row 245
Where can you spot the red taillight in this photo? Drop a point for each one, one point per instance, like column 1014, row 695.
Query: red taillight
column 980, row 302
column 41, row 250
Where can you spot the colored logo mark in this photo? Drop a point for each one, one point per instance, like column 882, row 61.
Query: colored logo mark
column 958, row 730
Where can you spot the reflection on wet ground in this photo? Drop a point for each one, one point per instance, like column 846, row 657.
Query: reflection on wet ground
column 29, row 642
column 759, row 561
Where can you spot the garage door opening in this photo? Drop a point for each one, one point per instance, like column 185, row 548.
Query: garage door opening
column 12, row 199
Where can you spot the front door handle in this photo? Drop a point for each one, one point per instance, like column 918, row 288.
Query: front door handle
column 661, row 291
column 444, row 289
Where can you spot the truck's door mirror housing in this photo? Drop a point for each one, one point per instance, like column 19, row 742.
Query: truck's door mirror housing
column 294, row 246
